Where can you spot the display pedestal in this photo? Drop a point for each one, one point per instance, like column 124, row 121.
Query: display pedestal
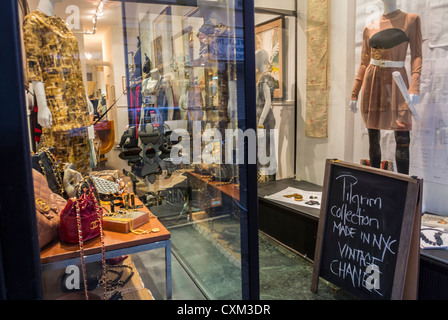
column 294, row 226
column 433, row 275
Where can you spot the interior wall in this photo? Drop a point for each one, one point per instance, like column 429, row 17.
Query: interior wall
column 312, row 153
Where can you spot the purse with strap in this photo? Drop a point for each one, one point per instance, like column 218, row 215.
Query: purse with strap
column 81, row 221
column 45, row 162
column 87, row 186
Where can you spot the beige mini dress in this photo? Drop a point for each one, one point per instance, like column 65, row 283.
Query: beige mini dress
column 383, row 106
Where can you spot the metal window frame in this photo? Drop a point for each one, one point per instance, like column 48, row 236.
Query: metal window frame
column 20, row 253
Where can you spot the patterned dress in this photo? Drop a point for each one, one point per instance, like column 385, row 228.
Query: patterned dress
column 52, row 57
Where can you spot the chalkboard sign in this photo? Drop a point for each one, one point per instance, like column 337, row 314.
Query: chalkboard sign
column 368, row 231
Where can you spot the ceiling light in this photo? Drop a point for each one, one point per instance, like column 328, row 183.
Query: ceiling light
column 98, row 13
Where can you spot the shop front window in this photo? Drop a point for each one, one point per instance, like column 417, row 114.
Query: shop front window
column 142, row 115
column 370, row 83
column 137, row 114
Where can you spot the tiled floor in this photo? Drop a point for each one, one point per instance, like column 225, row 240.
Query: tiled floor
column 204, row 269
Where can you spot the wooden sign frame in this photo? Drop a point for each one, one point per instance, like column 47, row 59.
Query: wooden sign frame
column 405, row 278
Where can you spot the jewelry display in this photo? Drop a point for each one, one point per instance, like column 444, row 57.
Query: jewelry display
column 437, row 237
column 129, row 217
column 296, row 196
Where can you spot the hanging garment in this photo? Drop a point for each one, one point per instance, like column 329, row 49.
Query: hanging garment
column 136, row 103
column 37, row 129
column 52, row 57
column 384, row 51
column 70, row 147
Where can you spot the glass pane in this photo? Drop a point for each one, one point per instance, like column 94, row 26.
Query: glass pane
column 148, row 100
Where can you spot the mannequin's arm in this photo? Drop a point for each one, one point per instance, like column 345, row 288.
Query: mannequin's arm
column 365, row 61
column 183, row 106
column 44, row 116
column 170, row 99
column 267, row 105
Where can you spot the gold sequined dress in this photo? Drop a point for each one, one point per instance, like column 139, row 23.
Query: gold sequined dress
column 52, row 57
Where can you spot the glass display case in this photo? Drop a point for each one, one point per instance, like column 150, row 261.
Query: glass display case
column 137, row 113
column 200, row 125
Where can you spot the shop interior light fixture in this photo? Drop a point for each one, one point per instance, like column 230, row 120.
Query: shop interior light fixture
column 98, row 13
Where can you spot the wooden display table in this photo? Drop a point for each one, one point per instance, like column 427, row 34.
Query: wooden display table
column 60, row 255
column 232, row 190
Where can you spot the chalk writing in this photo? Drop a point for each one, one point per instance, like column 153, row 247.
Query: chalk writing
column 356, row 220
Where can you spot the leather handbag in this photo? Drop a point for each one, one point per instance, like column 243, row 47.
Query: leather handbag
column 87, row 209
column 45, row 162
column 87, row 186
column 48, row 206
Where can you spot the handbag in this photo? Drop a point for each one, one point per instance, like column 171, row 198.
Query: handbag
column 45, row 162
column 91, row 219
column 48, row 206
column 81, row 221
column 86, row 185
column 105, row 187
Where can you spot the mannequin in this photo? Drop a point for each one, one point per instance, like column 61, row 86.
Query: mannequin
column 47, row 6
column 265, row 86
column 158, row 92
column 264, row 98
column 383, row 105
column 54, row 68
column 45, row 118
column 184, row 88
column 150, row 83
